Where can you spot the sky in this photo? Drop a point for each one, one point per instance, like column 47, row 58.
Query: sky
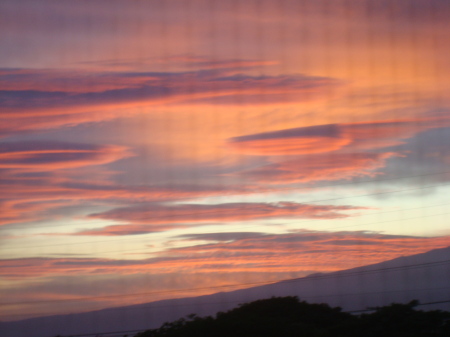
column 163, row 149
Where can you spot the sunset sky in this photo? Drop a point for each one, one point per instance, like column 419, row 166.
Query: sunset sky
column 161, row 149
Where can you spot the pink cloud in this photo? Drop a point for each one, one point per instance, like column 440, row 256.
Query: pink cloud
column 177, row 62
column 130, row 229
column 329, row 152
column 34, row 198
column 307, row 140
column 50, row 80
column 42, row 177
column 292, row 252
column 201, row 213
column 320, row 167
column 46, row 156
column 34, row 99
column 334, row 137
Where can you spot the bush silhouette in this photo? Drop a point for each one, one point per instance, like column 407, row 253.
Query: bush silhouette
column 289, row 317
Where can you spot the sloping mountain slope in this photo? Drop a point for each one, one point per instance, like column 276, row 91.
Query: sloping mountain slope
column 425, row 277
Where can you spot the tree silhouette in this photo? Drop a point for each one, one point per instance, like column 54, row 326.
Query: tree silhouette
column 289, row 317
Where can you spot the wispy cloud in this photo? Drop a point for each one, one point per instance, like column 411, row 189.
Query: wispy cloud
column 243, row 252
column 42, row 177
column 48, row 156
column 197, row 214
column 330, row 152
column 33, row 99
column 333, row 137
column 320, row 167
column 31, row 198
column 152, row 119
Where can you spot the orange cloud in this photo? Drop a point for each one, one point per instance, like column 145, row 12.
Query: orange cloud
column 201, row 62
column 49, row 80
column 130, row 229
column 320, row 167
column 177, row 63
column 326, row 251
column 33, row 198
column 231, row 253
column 196, row 213
column 328, row 152
column 34, row 100
column 47, row 156
column 334, row 137
column 314, row 139
column 42, row 177
column 34, row 174
column 305, row 140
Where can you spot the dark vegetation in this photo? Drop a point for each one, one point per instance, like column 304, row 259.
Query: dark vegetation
column 287, row 316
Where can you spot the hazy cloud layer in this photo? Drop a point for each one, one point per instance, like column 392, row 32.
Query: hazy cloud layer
column 42, row 177
column 48, row 156
column 143, row 218
column 331, row 152
column 321, row 167
column 333, row 137
column 143, row 123
column 304, row 250
column 35, row 198
column 32, row 99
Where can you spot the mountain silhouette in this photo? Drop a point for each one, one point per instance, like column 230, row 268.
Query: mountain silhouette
column 423, row 277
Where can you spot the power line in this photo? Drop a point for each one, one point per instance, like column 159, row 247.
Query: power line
column 142, row 330
column 308, row 298
column 322, row 276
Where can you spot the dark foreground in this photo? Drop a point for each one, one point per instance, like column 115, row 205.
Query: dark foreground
column 287, row 316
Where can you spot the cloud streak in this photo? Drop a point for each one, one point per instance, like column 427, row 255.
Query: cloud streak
column 197, row 213
column 34, row 198
column 329, row 152
column 333, row 137
column 42, row 177
column 47, row 156
column 242, row 252
column 105, row 135
column 33, row 99
column 321, row 167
